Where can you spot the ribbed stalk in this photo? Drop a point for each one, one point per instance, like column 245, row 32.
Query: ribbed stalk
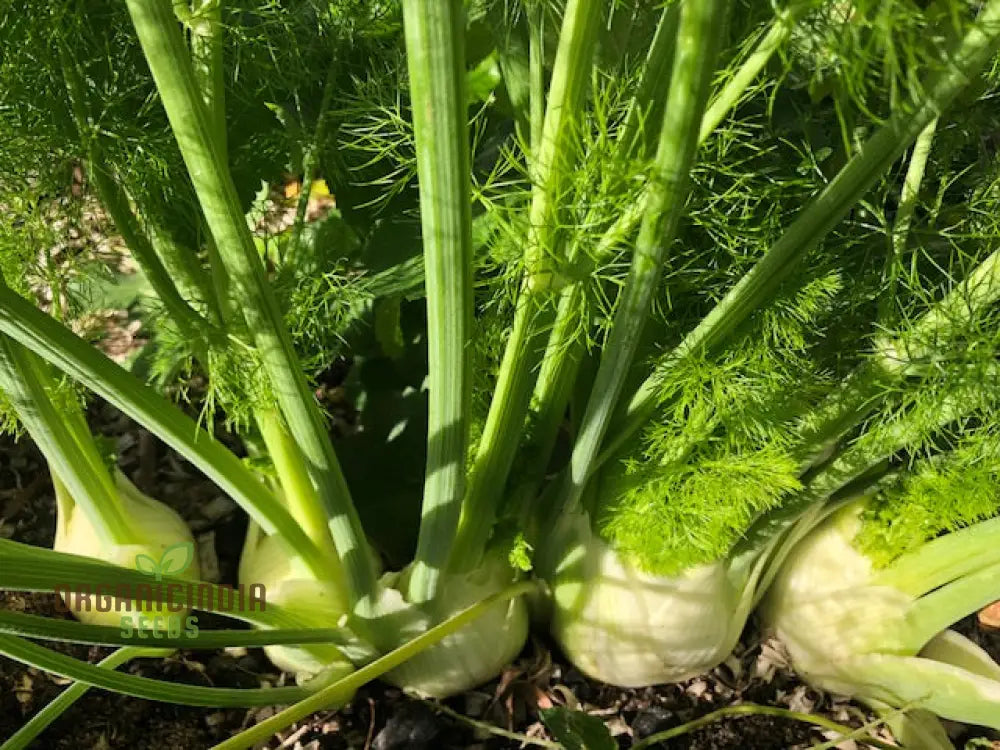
column 645, row 112
column 781, row 29
column 194, row 129
column 435, row 52
column 824, row 212
column 192, row 325
column 51, row 341
column 698, row 40
column 555, row 381
column 944, row 559
column 536, row 72
column 553, row 159
column 299, row 494
column 549, row 165
column 499, row 442
column 904, row 216
column 185, row 268
column 943, row 607
column 310, row 162
column 72, row 458
column 29, row 731
column 207, row 37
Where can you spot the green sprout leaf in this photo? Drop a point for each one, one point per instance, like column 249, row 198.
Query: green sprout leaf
column 577, row 730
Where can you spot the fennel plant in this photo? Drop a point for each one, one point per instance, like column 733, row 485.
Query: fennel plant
column 678, row 298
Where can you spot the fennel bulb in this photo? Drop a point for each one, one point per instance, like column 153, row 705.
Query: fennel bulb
column 311, row 602
column 158, row 527
column 880, row 634
column 477, row 652
column 630, row 628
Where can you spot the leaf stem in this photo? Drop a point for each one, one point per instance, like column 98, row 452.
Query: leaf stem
column 143, row 687
column 564, row 350
column 861, row 459
column 299, row 493
column 645, row 113
column 38, row 723
column 698, row 39
column 310, row 162
column 38, row 569
column 435, row 51
column 533, row 310
column 194, row 130
column 734, row 89
column 904, row 216
column 72, row 355
column 894, row 360
column 943, row 607
column 207, row 40
column 944, row 559
column 536, row 72
column 65, row 442
column 71, row 631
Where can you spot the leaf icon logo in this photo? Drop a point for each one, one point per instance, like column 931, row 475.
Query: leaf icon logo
column 175, row 560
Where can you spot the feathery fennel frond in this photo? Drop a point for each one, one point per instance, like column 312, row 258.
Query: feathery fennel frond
column 942, row 493
column 666, row 519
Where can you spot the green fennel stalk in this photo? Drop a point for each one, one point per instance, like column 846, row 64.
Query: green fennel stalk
column 698, row 37
column 436, row 59
column 549, row 164
column 192, row 126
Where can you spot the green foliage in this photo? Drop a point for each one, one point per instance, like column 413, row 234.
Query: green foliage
column 940, row 494
column 277, row 66
column 894, row 41
column 667, row 518
column 577, row 730
column 719, row 453
column 520, row 557
column 10, row 424
column 319, row 90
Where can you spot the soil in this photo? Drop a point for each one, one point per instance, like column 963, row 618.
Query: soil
column 380, row 717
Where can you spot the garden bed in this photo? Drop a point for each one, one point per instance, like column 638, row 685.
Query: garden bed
column 380, row 717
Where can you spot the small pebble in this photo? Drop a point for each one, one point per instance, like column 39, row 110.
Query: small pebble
column 651, row 720
column 412, row 726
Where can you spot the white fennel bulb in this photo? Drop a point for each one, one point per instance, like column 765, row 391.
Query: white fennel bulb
column 629, row 628
column 880, row 635
column 312, row 602
column 477, row 652
column 166, row 548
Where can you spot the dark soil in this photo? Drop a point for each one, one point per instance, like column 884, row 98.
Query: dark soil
column 380, row 717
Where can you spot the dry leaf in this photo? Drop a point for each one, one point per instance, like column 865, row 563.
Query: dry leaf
column 989, row 617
